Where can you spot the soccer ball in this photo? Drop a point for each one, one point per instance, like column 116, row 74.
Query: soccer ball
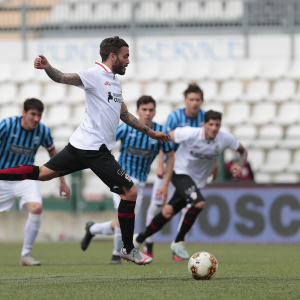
column 202, row 266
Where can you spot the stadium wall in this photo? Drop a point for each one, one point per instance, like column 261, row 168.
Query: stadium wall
column 233, row 214
column 185, row 48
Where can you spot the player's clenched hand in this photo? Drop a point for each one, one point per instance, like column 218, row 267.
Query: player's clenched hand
column 41, row 62
column 64, row 191
column 162, row 137
column 236, row 171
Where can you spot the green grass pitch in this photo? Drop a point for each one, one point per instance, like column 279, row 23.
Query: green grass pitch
column 245, row 272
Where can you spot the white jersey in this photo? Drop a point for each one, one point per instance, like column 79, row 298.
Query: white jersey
column 197, row 156
column 103, row 97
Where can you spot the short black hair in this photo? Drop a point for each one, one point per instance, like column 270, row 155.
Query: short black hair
column 33, row 103
column 193, row 88
column 212, row 115
column 111, row 45
column 145, row 100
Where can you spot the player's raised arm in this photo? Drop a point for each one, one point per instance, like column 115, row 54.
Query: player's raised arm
column 42, row 63
column 132, row 121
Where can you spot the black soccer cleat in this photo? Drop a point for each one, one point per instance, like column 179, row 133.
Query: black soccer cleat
column 115, row 260
column 88, row 236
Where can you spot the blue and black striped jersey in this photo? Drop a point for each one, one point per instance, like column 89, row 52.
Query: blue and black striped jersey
column 138, row 150
column 19, row 146
column 178, row 118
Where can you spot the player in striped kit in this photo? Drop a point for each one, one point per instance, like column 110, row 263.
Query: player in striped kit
column 20, row 138
column 137, row 153
column 196, row 158
column 190, row 115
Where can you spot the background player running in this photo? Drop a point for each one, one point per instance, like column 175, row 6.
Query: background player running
column 137, row 153
column 196, row 158
column 90, row 144
column 20, row 138
column 190, row 115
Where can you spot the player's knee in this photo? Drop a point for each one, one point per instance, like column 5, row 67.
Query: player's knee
column 35, row 208
column 131, row 195
column 168, row 211
column 200, row 204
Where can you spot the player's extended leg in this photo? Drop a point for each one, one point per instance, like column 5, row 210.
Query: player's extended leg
column 23, row 172
column 92, row 229
column 167, row 213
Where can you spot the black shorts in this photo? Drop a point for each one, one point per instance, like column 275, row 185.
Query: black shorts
column 101, row 162
column 186, row 192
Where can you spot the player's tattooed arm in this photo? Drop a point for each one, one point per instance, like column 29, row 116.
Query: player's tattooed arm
column 132, row 121
column 42, row 63
column 243, row 155
column 66, row 78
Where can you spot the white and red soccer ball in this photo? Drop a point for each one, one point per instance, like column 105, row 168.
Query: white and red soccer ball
column 202, row 266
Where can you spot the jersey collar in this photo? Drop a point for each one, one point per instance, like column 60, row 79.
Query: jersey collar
column 103, row 67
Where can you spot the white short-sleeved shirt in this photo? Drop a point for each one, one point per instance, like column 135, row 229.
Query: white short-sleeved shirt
column 197, row 156
column 103, row 97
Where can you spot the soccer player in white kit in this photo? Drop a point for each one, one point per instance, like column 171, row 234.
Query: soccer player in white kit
column 90, row 145
column 20, row 138
column 196, row 158
column 137, row 154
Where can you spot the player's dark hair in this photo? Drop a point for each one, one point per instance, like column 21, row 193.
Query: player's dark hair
column 33, row 103
column 145, row 100
column 111, row 45
column 193, row 88
column 212, row 115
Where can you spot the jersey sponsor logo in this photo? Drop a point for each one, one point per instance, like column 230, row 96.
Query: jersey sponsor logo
column 109, row 97
column 118, row 97
column 203, row 156
column 182, row 124
column 20, row 150
column 132, row 134
column 139, row 152
column 36, row 140
column 107, row 83
column 14, row 135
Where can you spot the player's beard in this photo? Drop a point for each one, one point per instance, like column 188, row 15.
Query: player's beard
column 118, row 67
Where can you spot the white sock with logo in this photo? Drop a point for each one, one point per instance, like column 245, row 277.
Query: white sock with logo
column 101, row 228
column 118, row 243
column 152, row 211
column 30, row 232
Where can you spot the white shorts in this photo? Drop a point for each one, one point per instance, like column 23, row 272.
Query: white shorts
column 26, row 191
column 140, row 192
column 155, row 197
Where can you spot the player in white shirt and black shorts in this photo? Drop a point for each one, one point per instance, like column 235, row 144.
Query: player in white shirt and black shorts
column 196, row 158
column 90, row 145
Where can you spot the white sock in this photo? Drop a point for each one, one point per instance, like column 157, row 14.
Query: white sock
column 101, row 228
column 30, row 232
column 152, row 211
column 183, row 212
column 118, row 243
